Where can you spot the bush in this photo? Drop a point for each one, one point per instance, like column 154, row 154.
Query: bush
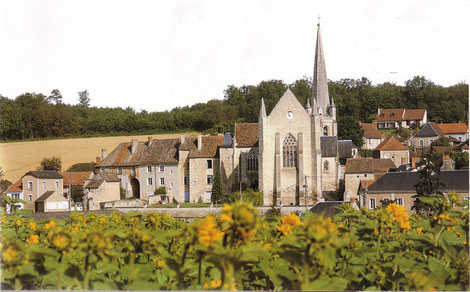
column 160, row 191
column 256, row 198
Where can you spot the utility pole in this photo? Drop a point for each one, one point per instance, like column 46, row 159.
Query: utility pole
column 306, row 191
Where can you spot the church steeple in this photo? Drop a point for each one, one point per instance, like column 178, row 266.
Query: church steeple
column 320, row 96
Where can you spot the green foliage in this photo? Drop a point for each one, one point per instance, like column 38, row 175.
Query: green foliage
column 348, row 128
column 255, row 198
column 460, row 159
column 217, row 190
column 404, row 133
column 4, row 184
column 82, row 166
column 122, row 193
column 365, row 152
column 441, row 141
column 52, row 163
column 77, row 193
column 84, row 98
column 428, row 185
column 160, row 191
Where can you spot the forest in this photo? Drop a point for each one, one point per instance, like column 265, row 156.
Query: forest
column 32, row 116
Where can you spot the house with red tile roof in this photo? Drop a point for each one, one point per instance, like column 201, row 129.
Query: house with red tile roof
column 15, row 192
column 396, row 118
column 392, row 148
column 372, row 137
column 456, row 132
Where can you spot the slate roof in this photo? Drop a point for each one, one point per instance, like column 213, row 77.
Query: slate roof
column 368, row 165
column 15, row 188
column 75, row 178
column 227, row 142
column 329, row 146
column 246, row 134
column 429, row 130
column 44, row 196
column 345, row 148
column 455, row 128
column 327, row 208
column 390, row 143
column 44, row 174
column 370, row 132
column 456, row 180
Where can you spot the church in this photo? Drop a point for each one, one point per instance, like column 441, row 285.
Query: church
column 290, row 155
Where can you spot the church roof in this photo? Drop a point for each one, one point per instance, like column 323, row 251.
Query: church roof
column 246, row 134
column 329, row 146
column 320, row 94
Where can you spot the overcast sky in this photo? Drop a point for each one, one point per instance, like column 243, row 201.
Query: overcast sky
column 156, row 55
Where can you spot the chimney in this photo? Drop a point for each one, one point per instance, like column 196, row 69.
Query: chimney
column 149, row 141
column 182, row 138
column 98, row 159
column 134, row 143
column 374, row 123
column 199, row 142
column 103, row 154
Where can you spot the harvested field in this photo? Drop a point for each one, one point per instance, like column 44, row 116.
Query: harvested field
column 19, row 157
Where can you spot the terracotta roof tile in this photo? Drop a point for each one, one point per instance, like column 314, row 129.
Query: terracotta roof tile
column 359, row 165
column 93, row 184
column 414, row 114
column 371, row 132
column 246, row 134
column 386, row 115
column 16, row 187
column 383, row 164
column 456, row 128
column 208, row 149
column 391, row 143
column 75, row 178
column 366, row 181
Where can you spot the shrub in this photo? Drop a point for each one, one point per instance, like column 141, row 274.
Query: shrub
column 256, row 198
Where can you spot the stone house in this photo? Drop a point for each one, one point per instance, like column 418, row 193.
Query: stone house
column 36, row 182
column 51, row 201
column 400, row 186
column 99, row 189
column 15, row 192
column 364, row 169
column 456, row 133
column 392, row 148
column 400, row 118
column 372, row 137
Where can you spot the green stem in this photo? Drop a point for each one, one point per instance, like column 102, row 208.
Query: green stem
column 85, row 278
column 439, row 235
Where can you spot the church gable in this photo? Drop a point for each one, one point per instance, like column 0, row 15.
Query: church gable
column 288, row 103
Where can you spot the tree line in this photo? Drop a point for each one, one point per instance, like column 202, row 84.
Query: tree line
column 38, row 116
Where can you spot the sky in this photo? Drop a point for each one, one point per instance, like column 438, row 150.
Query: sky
column 157, row 55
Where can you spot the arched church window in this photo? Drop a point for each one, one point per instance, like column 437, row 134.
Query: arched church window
column 326, row 166
column 289, row 152
column 325, row 131
column 252, row 160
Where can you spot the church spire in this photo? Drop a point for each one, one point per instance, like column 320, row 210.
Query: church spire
column 320, row 95
column 262, row 112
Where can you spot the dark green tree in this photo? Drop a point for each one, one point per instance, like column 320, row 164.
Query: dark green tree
column 460, row 159
column 84, row 98
column 82, row 166
column 441, row 141
column 348, row 128
column 217, row 191
column 77, row 193
column 429, row 184
column 52, row 163
column 55, row 96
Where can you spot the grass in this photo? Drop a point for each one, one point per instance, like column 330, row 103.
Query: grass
column 182, row 205
column 18, row 158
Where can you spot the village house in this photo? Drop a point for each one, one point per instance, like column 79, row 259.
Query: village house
column 100, row 189
column 37, row 182
column 364, row 169
column 74, row 179
column 51, row 201
column 400, row 186
column 457, row 133
column 372, row 137
column 15, row 192
column 392, row 148
column 401, row 118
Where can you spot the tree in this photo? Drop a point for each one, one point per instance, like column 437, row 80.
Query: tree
column 460, row 159
column 403, row 133
column 83, row 98
column 429, row 184
column 441, row 141
column 4, row 184
column 55, row 96
column 348, row 128
column 77, row 193
column 53, row 163
column 82, row 166
column 217, row 191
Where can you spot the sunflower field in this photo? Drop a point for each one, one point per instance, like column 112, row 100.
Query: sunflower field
column 384, row 249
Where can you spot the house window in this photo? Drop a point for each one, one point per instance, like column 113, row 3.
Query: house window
column 162, row 168
column 421, row 143
column 30, row 197
column 162, row 181
column 209, row 164
column 149, row 181
column 326, row 166
column 354, row 152
column 171, row 184
column 372, row 203
column 400, row 201
column 289, row 152
column 357, row 176
column 208, row 196
column 171, row 171
column 365, row 175
column 325, row 131
column 252, row 161
column 149, row 169
column 430, row 141
column 43, row 184
column 186, row 181
column 15, row 196
column 30, row 186
column 119, row 170
column 57, row 184
column 210, row 179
